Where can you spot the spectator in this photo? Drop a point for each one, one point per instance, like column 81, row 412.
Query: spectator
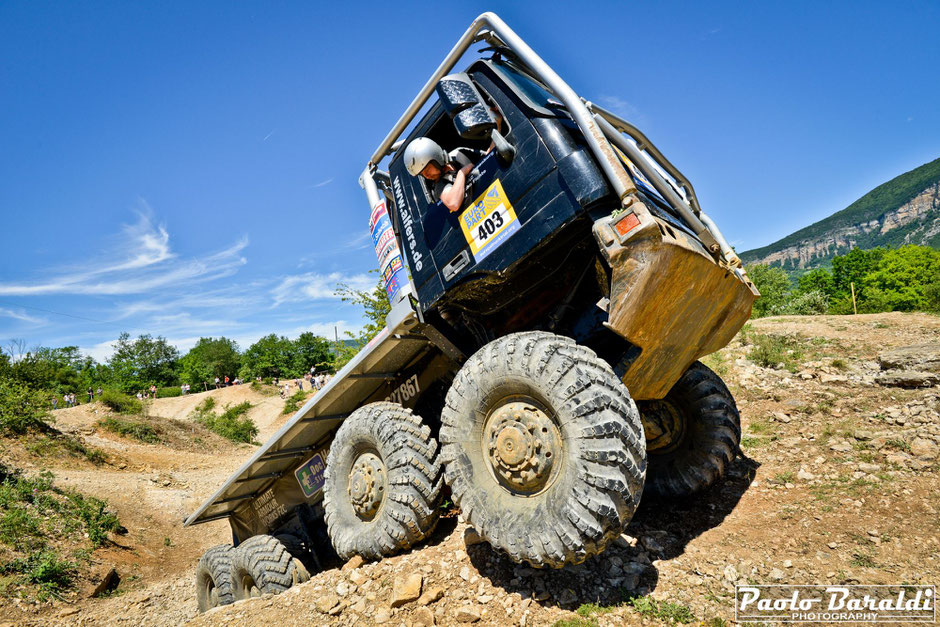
column 91, row 394
column 55, row 403
column 98, row 392
column 140, row 396
column 226, row 380
column 300, row 385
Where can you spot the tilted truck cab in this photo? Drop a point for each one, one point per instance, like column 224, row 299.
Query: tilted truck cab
column 540, row 357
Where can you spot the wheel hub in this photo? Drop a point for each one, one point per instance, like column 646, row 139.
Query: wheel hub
column 522, row 444
column 367, row 485
column 663, row 424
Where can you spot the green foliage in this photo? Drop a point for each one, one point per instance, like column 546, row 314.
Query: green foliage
column 128, row 428
column 774, row 286
column 208, row 359
column 121, row 403
column 883, row 199
column 33, row 510
column 21, row 409
column 230, row 423
column 138, row 364
column 56, row 444
column 169, row 392
column 775, row 351
column 45, row 569
column 274, row 356
column 818, row 280
column 663, row 610
column 375, row 307
column 902, row 275
column 293, row 403
column 809, row 303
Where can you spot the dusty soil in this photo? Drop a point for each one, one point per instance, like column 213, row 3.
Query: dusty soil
column 837, row 484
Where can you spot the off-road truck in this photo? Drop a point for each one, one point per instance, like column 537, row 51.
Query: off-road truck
column 540, row 357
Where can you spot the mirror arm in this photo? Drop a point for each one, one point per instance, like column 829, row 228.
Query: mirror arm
column 504, row 149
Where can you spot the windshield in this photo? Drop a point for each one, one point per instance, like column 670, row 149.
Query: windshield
column 537, row 96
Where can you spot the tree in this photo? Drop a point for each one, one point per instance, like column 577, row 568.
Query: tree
column 901, row 278
column 375, row 307
column 818, row 280
column 208, row 359
column 143, row 362
column 312, row 351
column 271, row 356
column 774, row 286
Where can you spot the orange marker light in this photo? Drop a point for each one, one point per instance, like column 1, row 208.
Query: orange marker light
column 627, row 224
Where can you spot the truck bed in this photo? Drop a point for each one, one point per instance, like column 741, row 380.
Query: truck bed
column 392, row 350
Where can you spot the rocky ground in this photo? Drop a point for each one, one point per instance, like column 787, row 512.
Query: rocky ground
column 837, row 484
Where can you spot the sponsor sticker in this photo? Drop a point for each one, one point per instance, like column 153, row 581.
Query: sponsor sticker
column 489, row 221
column 310, row 475
column 835, row 604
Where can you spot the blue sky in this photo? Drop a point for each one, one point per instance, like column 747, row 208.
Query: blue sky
column 190, row 169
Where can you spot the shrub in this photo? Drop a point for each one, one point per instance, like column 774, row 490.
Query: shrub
column 774, row 351
column 230, row 423
column 293, row 403
column 809, row 303
column 21, row 408
column 170, row 392
column 131, row 428
column 121, row 403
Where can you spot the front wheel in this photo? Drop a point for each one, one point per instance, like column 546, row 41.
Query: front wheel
column 543, row 448
column 692, row 435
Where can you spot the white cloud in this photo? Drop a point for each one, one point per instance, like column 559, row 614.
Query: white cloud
column 619, row 106
column 20, row 315
column 141, row 261
column 322, row 183
column 315, row 286
column 101, row 351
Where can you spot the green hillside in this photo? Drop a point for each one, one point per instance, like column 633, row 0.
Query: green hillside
column 873, row 205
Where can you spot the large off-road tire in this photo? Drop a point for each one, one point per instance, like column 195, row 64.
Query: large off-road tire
column 263, row 565
column 382, row 484
column 214, row 585
column 692, row 435
column 542, row 448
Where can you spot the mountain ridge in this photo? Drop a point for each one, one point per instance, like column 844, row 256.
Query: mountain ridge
column 904, row 210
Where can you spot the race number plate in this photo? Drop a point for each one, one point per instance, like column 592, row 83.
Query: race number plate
column 310, row 475
column 489, row 221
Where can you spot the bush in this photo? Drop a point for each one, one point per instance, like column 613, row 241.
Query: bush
column 121, row 403
column 294, row 402
column 774, row 351
column 170, row 392
column 809, row 303
column 131, row 428
column 230, row 424
column 21, row 409
column 32, row 510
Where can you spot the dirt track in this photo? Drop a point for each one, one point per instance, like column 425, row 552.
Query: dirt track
column 838, row 484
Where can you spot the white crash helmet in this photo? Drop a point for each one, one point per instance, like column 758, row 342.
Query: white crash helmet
column 421, row 152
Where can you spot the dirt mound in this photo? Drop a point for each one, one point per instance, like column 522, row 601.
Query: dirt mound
column 837, row 484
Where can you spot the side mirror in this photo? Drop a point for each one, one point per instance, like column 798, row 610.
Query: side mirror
column 464, row 105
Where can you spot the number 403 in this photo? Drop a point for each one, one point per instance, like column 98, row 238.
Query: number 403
column 490, row 225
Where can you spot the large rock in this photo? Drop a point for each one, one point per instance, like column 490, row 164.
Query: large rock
column 908, row 379
column 924, row 357
column 406, row 589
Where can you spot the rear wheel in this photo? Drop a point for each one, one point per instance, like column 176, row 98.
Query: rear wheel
column 214, row 578
column 692, row 435
column 383, row 480
column 542, row 448
column 263, row 565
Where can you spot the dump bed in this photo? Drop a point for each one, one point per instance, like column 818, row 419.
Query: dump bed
column 266, row 486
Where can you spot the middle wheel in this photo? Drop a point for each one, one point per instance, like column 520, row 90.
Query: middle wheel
column 382, row 482
column 543, row 448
